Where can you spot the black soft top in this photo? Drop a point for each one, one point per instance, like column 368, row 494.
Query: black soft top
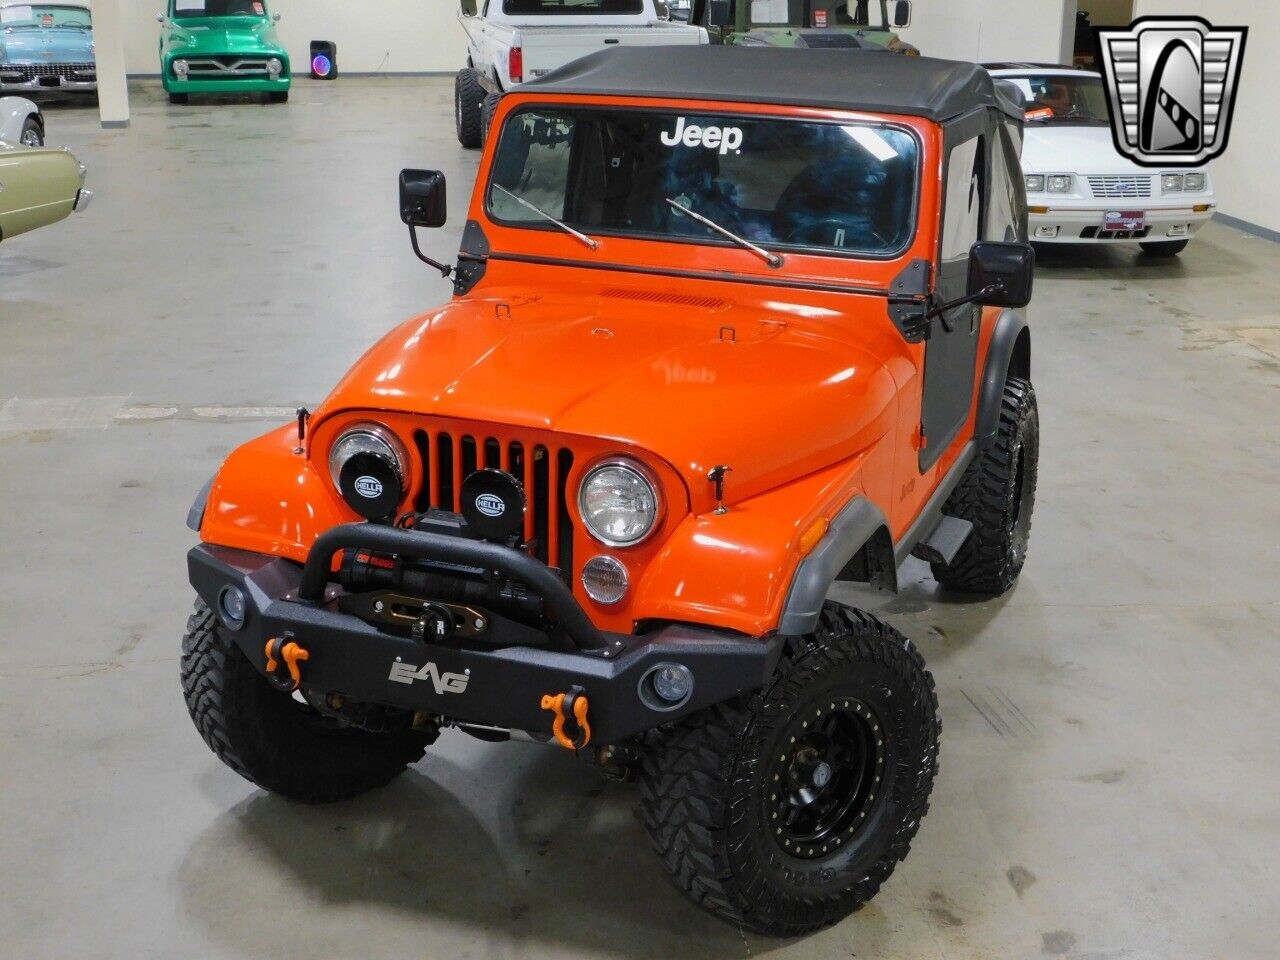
column 872, row 81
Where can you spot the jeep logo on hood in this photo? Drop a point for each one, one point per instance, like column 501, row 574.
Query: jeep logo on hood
column 724, row 139
column 491, row 505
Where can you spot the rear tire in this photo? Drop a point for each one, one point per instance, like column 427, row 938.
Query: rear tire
column 278, row 96
column 32, row 133
column 180, row 99
column 271, row 739
column 997, row 495
column 784, row 811
column 468, row 99
column 1167, row 248
column 487, row 110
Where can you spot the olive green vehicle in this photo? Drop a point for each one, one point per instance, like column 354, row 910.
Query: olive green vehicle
column 38, row 186
column 851, row 24
column 220, row 47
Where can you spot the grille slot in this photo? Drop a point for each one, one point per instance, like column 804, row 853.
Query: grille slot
column 1097, row 233
column 447, row 459
column 1119, row 188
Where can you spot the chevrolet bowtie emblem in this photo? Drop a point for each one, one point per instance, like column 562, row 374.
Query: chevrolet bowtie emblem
column 1171, row 87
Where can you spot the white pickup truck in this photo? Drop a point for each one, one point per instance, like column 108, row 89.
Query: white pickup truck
column 511, row 41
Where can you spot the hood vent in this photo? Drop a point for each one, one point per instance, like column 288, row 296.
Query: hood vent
column 670, row 299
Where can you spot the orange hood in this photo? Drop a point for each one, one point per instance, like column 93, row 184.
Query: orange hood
column 775, row 391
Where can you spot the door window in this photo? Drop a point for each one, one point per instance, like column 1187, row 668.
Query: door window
column 962, row 217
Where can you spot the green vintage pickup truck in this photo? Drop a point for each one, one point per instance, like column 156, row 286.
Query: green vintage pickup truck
column 222, row 46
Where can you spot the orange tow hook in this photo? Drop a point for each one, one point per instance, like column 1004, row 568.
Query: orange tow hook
column 570, row 706
column 287, row 650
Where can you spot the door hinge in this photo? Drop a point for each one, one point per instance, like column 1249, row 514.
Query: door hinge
column 918, row 439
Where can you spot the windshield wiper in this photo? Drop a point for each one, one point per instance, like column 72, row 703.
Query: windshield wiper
column 581, row 237
column 772, row 259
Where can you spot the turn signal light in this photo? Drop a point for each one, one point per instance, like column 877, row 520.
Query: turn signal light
column 809, row 539
column 1037, row 209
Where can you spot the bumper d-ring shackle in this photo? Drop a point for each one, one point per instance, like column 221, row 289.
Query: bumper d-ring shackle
column 284, row 649
column 570, row 711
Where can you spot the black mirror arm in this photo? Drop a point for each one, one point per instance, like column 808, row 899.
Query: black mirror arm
column 941, row 308
column 445, row 270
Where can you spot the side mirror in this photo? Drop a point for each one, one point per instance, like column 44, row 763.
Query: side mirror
column 902, row 14
column 422, row 198
column 161, row 18
column 720, row 13
column 275, row 18
column 468, row 8
column 1001, row 274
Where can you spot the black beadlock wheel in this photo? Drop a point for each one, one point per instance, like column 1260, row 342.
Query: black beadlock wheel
column 786, row 810
column 273, row 740
column 997, row 495
column 468, row 98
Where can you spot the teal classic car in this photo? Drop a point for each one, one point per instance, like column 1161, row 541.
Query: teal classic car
column 222, row 46
column 46, row 47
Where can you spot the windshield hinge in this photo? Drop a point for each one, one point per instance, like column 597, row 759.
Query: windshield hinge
column 909, row 300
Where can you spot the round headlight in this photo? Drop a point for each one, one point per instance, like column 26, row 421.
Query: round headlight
column 274, row 65
column 181, row 68
column 367, row 465
column 619, row 503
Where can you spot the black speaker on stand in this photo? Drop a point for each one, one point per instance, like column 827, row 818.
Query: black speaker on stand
column 324, row 60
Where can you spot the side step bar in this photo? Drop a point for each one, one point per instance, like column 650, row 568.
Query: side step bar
column 944, row 542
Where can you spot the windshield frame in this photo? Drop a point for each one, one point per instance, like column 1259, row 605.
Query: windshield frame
column 786, row 249
column 1076, row 75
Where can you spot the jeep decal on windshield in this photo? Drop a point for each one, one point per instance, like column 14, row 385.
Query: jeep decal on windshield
column 724, row 139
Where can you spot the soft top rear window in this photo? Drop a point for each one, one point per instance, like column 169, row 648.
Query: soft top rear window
column 528, row 8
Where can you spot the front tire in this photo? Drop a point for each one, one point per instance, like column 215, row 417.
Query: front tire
column 180, row 99
column 271, row 739
column 468, row 98
column 997, row 495
column 278, row 96
column 32, row 134
column 1167, row 248
column 785, row 811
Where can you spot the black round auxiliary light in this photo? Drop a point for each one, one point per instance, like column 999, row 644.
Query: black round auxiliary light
column 493, row 504
column 371, row 486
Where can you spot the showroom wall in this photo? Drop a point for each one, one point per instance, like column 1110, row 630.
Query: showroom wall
column 1245, row 176
column 395, row 36
column 985, row 30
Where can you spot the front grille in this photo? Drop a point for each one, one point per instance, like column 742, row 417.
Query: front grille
column 80, row 72
column 1118, row 188
column 217, row 68
column 449, row 457
column 1097, row 233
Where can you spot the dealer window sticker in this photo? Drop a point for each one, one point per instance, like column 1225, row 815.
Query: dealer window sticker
column 12, row 14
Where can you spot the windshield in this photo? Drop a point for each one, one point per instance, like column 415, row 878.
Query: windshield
column 44, row 15
column 819, row 13
column 522, row 8
column 847, row 189
column 1068, row 99
column 183, row 9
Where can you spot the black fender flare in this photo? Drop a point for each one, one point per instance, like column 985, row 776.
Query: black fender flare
column 195, row 516
column 860, row 523
column 1008, row 354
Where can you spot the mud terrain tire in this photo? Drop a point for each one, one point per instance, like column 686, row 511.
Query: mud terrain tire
column 468, row 98
column 732, row 836
column 997, row 495
column 271, row 739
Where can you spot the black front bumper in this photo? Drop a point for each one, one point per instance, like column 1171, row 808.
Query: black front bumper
column 503, row 685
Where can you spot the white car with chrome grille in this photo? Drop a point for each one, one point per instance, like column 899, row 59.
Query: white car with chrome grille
column 1080, row 189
